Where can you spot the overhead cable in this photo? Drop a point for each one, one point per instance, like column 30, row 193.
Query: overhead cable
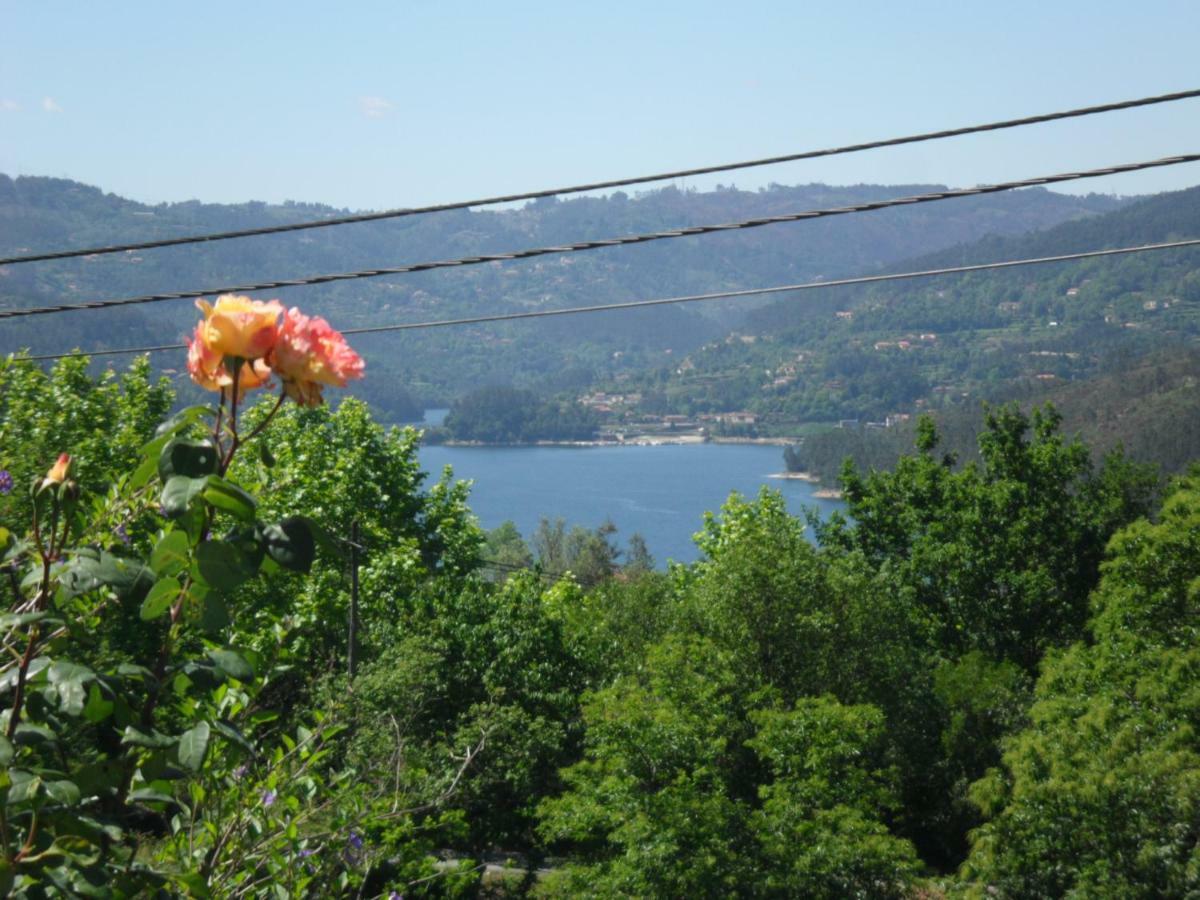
column 603, row 185
column 692, row 298
column 609, row 242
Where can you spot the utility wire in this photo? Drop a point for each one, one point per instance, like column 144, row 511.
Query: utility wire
column 600, row 185
column 692, row 298
column 609, row 242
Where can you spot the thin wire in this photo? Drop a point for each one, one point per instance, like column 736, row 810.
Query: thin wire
column 692, row 298
column 601, row 185
column 610, row 242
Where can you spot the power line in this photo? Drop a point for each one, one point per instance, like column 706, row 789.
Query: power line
column 609, row 242
column 692, row 298
column 601, row 185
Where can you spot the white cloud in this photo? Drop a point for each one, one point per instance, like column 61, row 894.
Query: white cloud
column 375, row 107
column 7, row 105
column 50, row 105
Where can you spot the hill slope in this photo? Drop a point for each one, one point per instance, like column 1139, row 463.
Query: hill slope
column 41, row 213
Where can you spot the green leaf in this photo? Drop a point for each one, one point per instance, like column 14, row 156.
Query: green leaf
column 180, row 421
column 129, row 670
column 150, row 795
column 90, row 569
column 178, row 494
column 28, row 733
column 9, row 678
column 233, row 735
column 291, row 543
column 70, row 680
column 10, row 548
column 25, row 786
column 193, row 459
column 265, row 454
column 64, row 792
column 142, row 474
column 77, row 849
column 6, row 751
column 19, row 620
column 223, row 566
column 156, row 740
column 193, row 746
column 232, row 664
column 214, row 615
column 196, row 885
column 160, row 598
column 97, row 708
column 170, row 554
column 227, row 496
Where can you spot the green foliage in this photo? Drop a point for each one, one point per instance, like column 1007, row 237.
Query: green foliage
column 689, row 788
column 336, row 466
column 103, row 421
column 137, row 751
column 819, row 825
column 1099, row 794
column 1000, row 555
column 782, row 718
column 652, row 800
column 473, row 669
column 498, row 415
column 506, row 548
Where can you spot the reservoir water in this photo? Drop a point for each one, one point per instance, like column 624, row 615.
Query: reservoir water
column 661, row 492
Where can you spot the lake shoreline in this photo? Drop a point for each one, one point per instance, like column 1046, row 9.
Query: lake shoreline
column 647, row 440
column 662, row 492
column 825, row 493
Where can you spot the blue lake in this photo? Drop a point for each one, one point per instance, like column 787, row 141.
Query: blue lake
column 662, row 492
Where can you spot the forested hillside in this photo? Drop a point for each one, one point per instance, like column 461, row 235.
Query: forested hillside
column 883, row 353
column 44, row 213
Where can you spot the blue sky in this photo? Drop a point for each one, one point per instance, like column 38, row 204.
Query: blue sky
column 382, row 104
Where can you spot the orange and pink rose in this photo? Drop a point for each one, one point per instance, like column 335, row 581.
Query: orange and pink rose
column 310, row 354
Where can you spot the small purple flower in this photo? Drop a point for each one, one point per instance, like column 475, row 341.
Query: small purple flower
column 268, row 798
column 6, row 481
column 123, row 535
column 395, row 895
column 240, row 771
column 355, row 841
column 307, row 852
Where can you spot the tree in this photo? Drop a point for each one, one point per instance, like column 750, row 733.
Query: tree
column 1098, row 796
column 637, row 558
column 1001, row 554
column 820, row 824
column 504, row 551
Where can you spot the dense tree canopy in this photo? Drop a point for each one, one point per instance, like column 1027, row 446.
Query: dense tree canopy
column 982, row 678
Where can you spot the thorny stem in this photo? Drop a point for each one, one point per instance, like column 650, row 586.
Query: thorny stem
column 233, row 411
column 46, row 556
column 217, row 442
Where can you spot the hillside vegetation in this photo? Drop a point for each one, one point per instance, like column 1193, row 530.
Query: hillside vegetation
column 440, row 365
column 980, row 680
column 1107, row 340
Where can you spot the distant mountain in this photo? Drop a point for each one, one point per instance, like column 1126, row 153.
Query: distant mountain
column 46, row 213
column 1064, row 331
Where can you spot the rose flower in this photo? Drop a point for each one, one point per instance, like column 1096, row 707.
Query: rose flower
column 207, row 367
column 310, row 354
column 238, row 326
